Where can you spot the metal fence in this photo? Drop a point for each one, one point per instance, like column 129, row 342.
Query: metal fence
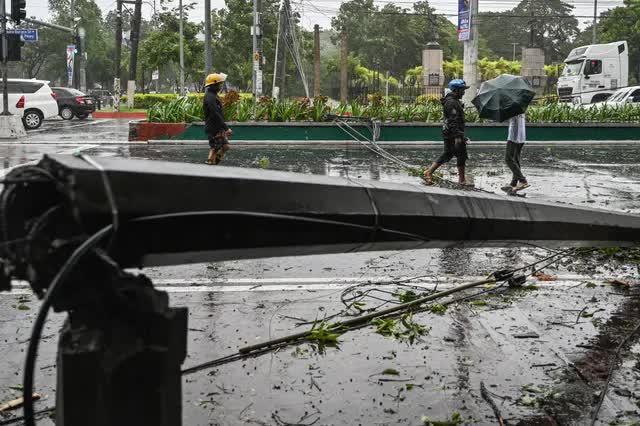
column 358, row 90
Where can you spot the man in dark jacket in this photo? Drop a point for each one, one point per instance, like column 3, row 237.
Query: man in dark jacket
column 455, row 143
column 214, row 125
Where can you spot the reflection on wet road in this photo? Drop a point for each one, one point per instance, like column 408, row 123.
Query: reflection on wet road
column 606, row 176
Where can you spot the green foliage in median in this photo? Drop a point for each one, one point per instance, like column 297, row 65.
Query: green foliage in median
column 240, row 108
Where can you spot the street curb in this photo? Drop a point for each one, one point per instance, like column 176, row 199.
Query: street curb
column 68, row 143
column 320, row 144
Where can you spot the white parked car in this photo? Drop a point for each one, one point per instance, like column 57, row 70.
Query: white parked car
column 33, row 100
column 625, row 96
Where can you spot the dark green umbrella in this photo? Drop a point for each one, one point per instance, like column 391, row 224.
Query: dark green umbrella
column 503, row 97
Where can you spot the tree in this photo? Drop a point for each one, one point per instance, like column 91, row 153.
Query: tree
column 161, row 50
column 97, row 41
column 233, row 48
column 623, row 23
column 36, row 55
column 391, row 38
column 554, row 28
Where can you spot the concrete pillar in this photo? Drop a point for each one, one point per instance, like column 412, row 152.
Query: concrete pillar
column 131, row 92
column 432, row 72
column 316, row 60
column 344, row 63
column 471, row 71
column 533, row 68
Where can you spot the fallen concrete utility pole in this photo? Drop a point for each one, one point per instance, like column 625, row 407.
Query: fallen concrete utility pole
column 270, row 213
column 70, row 225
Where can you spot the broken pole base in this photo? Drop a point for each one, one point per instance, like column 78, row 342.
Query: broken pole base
column 11, row 127
column 122, row 367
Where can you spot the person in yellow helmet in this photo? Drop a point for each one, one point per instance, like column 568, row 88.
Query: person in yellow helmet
column 216, row 129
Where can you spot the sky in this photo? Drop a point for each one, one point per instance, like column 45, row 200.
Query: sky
column 320, row 11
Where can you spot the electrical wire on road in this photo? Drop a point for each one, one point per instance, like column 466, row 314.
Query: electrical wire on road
column 502, row 278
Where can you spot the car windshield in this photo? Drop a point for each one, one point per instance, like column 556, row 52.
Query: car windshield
column 618, row 96
column 572, row 68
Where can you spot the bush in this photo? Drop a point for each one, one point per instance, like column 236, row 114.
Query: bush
column 146, row 101
column 141, row 101
column 427, row 109
column 180, row 110
column 428, row 100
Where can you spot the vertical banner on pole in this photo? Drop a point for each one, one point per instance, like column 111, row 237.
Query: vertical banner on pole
column 464, row 20
column 258, row 73
column 71, row 54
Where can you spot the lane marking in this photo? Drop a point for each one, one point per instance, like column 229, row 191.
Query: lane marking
column 72, row 126
column 250, row 285
column 69, row 143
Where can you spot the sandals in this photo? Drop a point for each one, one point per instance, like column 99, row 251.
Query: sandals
column 428, row 178
column 520, row 186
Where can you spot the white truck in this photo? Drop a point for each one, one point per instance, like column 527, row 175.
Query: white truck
column 593, row 73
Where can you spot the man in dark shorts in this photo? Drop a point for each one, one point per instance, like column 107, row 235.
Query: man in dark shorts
column 455, row 143
column 215, row 127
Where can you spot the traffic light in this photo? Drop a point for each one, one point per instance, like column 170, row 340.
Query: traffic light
column 14, row 45
column 18, row 11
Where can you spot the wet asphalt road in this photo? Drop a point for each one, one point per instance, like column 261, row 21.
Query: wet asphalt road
column 534, row 380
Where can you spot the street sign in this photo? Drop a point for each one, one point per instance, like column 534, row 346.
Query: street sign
column 464, row 20
column 25, row 34
column 155, row 75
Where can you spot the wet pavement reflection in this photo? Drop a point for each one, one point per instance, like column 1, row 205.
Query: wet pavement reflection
column 606, row 176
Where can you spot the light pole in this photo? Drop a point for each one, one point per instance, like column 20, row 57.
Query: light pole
column 595, row 22
column 514, row 51
column 181, row 53
column 207, row 37
column 5, row 67
column 83, row 60
column 471, row 74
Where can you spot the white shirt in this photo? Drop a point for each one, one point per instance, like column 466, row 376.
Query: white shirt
column 517, row 129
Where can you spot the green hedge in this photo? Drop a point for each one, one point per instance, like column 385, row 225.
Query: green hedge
column 141, row 101
column 268, row 109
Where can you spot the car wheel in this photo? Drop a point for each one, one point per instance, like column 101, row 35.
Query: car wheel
column 32, row 119
column 66, row 113
column 82, row 116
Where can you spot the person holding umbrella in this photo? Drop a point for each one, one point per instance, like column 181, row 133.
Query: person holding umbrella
column 515, row 142
column 455, row 143
column 507, row 97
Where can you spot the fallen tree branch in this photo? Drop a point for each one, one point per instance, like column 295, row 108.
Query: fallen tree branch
column 367, row 318
column 494, row 407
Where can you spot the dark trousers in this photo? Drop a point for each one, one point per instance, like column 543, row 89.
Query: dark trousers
column 512, row 158
column 454, row 147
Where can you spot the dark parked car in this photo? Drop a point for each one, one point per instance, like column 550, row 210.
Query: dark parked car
column 72, row 102
column 104, row 97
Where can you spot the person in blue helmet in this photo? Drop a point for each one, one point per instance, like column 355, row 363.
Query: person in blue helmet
column 455, row 143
